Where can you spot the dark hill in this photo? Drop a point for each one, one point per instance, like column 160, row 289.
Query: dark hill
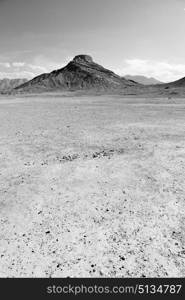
column 82, row 73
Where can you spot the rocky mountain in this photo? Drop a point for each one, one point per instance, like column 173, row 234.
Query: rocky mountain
column 143, row 79
column 82, row 73
column 7, row 84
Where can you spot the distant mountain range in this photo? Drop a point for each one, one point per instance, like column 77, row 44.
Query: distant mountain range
column 7, row 84
column 82, row 73
column 143, row 79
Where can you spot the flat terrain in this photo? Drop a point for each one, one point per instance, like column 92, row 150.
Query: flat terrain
column 92, row 186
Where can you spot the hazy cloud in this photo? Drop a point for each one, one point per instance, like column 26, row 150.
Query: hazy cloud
column 37, row 68
column 26, row 65
column 5, row 64
column 18, row 64
column 20, row 69
column 14, row 74
column 161, row 70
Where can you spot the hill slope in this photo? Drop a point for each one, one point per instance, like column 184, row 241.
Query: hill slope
column 79, row 74
column 176, row 83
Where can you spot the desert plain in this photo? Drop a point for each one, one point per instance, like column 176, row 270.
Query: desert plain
column 92, row 186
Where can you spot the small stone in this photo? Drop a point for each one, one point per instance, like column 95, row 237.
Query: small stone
column 122, row 257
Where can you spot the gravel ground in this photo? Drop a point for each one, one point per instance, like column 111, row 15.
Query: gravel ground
column 92, row 187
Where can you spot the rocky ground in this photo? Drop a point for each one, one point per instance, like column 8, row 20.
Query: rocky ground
column 92, row 187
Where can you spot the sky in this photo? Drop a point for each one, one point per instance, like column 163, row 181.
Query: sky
column 137, row 37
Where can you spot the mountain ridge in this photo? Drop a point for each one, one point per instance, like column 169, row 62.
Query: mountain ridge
column 143, row 79
column 7, row 84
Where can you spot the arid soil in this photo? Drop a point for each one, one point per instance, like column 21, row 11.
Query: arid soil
column 92, row 187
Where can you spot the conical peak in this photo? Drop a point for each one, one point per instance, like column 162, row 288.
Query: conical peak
column 83, row 58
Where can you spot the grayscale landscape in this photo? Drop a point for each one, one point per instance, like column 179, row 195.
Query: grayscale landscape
column 92, row 140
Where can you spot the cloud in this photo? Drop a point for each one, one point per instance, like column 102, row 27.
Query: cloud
column 5, row 64
column 36, row 66
column 18, row 70
column 161, row 70
column 13, row 75
column 27, row 65
column 24, row 70
column 18, row 64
